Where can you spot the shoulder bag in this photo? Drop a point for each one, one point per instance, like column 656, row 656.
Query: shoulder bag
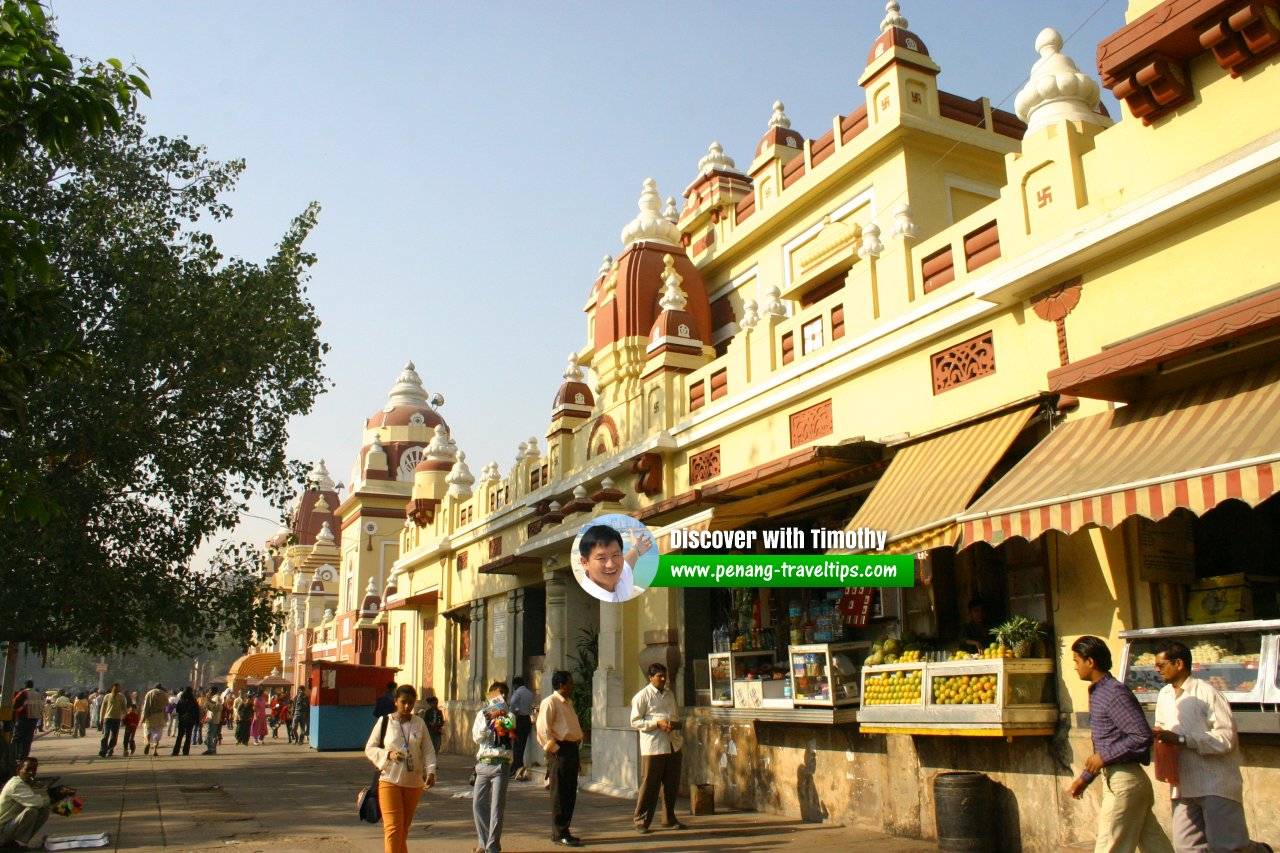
column 367, row 802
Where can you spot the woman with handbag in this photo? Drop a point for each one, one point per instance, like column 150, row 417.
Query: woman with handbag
column 400, row 747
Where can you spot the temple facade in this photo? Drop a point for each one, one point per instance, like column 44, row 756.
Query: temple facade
column 1037, row 347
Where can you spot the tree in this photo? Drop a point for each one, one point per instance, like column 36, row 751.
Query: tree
column 176, row 413
column 47, row 102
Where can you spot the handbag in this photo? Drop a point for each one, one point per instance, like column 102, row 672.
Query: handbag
column 367, row 806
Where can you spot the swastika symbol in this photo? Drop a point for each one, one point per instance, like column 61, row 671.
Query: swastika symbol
column 1045, row 197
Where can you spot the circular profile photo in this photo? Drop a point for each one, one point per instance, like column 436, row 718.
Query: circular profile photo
column 614, row 557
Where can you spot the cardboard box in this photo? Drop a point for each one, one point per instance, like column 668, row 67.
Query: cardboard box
column 1231, row 598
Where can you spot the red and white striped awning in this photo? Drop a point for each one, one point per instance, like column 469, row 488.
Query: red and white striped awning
column 1192, row 449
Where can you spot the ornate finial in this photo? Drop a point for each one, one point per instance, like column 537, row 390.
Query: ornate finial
column 673, row 298
column 773, row 304
column 287, row 567
column 779, row 117
column 607, row 484
column 531, row 446
column 669, row 212
column 605, row 266
column 650, row 224
column 871, row 246
column 372, row 588
column 328, row 614
column 715, row 158
column 441, row 448
column 319, row 477
column 490, row 473
column 408, row 390
column 325, row 536
column 892, row 18
column 300, row 583
column 903, row 224
column 750, row 315
column 580, row 493
column 460, row 479
column 522, row 451
column 375, row 446
column 1057, row 90
column 573, row 372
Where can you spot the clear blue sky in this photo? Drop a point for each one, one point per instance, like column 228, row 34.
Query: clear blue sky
column 474, row 162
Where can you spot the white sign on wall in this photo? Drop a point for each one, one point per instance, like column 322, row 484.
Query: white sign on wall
column 500, row 636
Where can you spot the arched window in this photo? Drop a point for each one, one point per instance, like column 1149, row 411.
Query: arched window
column 408, row 461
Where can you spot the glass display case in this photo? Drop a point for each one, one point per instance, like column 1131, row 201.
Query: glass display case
column 994, row 697
column 1237, row 658
column 728, row 667
column 826, row 674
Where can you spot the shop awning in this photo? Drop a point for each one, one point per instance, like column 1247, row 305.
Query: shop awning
column 1191, row 449
column 929, row 483
column 255, row 665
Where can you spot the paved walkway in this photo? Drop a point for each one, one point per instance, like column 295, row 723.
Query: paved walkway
column 279, row 798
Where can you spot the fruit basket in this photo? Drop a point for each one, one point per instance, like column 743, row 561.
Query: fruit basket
column 991, row 696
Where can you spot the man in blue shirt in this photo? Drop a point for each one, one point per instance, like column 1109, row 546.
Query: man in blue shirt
column 522, row 710
column 1121, row 746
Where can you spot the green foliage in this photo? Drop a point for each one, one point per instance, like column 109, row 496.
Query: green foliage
column 146, row 666
column 584, row 670
column 1018, row 629
column 48, row 105
column 173, row 413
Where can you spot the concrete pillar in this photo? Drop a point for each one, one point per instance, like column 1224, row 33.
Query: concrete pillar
column 557, row 627
column 479, row 650
column 610, row 707
column 515, row 634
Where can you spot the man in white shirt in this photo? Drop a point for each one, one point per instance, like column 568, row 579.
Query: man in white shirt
column 606, row 572
column 24, row 806
column 1208, row 813
column 656, row 715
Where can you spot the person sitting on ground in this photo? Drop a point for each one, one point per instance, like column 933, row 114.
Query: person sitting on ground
column 25, row 805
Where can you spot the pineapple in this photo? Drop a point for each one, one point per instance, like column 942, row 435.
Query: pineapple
column 1020, row 635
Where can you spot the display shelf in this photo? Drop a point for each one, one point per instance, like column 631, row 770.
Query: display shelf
column 826, row 674
column 992, row 697
column 762, row 693
column 1239, row 659
column 728, row 667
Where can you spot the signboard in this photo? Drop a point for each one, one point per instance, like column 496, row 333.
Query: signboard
column 100, row 667
column 500, row 636
column 855, row 606
column 1166, row 550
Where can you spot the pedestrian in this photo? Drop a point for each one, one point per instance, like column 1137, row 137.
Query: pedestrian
column 81, row 711
column 1121, row 746
column 28, row 711
column 386, row 703
column 170, row 718
column 212, row 722
column 197, row 731
column 560, row 736
column 258, row 730
column 130, row 726
column 153, row 717
column 95, row 710
column 63, row 716
column 25, row 805
column 1208, row 795
column 284, row 716
column 656, row 715
column 522, row 709
column 400, row 747
column 493, row 731
column 187, row 713
column 244, row 718
column 301, row 715
column 434, row 718
column 113, row 711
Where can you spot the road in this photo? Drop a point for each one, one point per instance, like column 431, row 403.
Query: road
column 279, row 798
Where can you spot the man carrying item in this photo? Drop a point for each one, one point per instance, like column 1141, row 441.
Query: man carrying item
column 212, row 722
column 114, row 707
column 153, row 717
column 1121, row 746
column 1208, row 809
column 560, row 735
column 656, row 715
column 522, row 710
column 492, row 731
column 24, row 806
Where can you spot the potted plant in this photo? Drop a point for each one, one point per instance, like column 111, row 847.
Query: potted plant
column 1020, row 634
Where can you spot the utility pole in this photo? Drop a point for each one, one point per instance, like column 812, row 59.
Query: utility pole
column 7, row 689
column 102, row 672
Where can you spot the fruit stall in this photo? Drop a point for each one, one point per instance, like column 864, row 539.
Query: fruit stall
column 993, row 696
column 826, row 674
column 1240, row 659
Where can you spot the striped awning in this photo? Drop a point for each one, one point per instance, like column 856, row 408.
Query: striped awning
column 928, row 484
column 1192, row 449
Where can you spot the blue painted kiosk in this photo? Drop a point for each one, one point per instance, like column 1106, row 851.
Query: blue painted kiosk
column 342, row 700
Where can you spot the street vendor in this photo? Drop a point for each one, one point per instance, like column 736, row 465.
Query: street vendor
column 25, row 803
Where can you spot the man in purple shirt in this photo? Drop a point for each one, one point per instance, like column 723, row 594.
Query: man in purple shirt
column 1121, row 745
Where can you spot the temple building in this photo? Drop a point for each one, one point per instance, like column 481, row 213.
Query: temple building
column 1038, row 348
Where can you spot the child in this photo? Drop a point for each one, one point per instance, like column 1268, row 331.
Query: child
column 131, row 720
column 434, row 718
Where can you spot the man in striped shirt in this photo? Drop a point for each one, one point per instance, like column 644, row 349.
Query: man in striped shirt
column 1121, row 746
column 1208, row 809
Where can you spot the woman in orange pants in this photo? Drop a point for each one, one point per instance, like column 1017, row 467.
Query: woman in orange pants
column 403, row 752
